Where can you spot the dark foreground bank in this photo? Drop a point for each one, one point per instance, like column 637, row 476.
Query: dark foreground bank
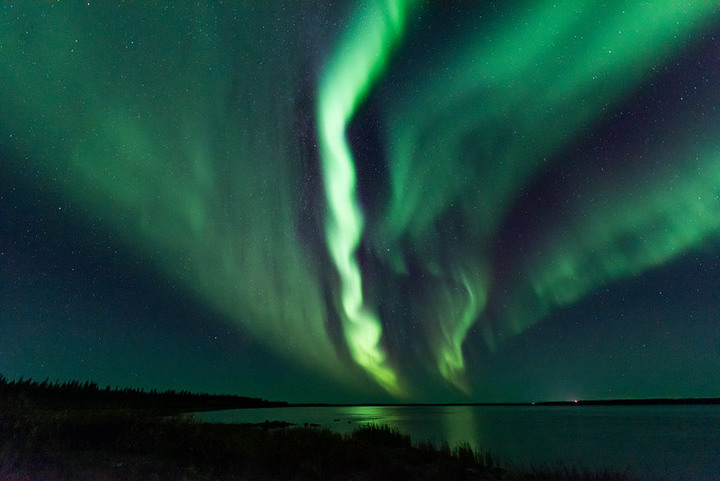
column 125, row 444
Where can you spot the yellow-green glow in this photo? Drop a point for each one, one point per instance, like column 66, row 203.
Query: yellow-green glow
column 451, row 363
column 359, row 58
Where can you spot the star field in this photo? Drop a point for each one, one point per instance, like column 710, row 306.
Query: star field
column 382, row 201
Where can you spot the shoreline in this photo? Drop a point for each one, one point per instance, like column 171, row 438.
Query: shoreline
column 127, row 444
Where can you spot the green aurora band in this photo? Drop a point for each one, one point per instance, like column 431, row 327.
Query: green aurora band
column 632, row 232
column 175, row 129
column 479, row 130
column 360, row 57
column 149, row 124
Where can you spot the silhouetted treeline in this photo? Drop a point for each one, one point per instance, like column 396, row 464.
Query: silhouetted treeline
column 88, row 395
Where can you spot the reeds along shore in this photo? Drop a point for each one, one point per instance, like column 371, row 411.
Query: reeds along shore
column 126, row 444
column 69, row 431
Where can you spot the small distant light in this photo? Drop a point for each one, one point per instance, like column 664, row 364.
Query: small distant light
column 576, row 401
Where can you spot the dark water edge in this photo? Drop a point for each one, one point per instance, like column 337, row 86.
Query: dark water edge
column 677, row 442
column 79, row 431
column 54, row 444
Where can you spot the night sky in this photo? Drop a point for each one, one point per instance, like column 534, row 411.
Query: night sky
column 393, row 200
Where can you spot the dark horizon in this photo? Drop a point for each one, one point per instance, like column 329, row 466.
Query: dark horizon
column 86, row 393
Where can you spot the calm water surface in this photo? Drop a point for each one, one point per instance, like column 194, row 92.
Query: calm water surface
column 669, row 442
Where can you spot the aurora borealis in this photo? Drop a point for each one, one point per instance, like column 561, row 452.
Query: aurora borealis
column 383, row 200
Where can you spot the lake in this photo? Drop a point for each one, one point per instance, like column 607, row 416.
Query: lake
column 651, row 442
